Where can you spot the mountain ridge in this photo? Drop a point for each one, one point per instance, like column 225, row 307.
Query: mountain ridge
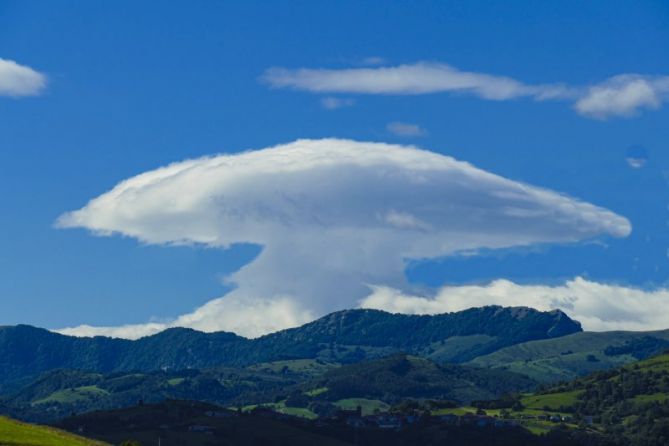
column 346, row 336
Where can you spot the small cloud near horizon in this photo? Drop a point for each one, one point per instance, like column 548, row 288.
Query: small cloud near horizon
column 334, row 103
column 636, row 157
column 405, row 129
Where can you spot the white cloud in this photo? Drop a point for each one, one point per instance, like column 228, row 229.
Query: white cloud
column 332, row 216
column 18, row 80
column 420, row 78
column 405, row 129
column 124, row 331
column 636, row 163
column 636, row 156
column 620, row 96
column 333, row 103
column 253, row 317
column 598, row 306
column 624, row 95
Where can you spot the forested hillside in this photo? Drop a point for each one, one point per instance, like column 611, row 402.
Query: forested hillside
column 343, row 337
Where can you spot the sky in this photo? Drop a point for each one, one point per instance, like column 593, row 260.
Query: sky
column 250, row 166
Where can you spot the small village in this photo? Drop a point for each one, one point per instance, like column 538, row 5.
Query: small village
column 396, row 420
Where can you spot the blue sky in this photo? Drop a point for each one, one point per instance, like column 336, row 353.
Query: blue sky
column 132, row 87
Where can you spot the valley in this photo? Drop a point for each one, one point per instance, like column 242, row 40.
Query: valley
column 539, row 373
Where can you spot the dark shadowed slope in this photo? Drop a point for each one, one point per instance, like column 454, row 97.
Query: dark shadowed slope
column 401, row 376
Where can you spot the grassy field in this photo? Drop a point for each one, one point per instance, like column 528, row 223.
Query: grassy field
column 310, row 367
column 659, row 397
column 658, row 363
column 73, row 395
column 459, row 411
column 534, row 425
column 448, row 349
column 316, row 392
column 296, row 411
column 282, row 408
column 550, row 401
column 175, row 381
column 538, row 427
column 15, row 433
column 368, row 406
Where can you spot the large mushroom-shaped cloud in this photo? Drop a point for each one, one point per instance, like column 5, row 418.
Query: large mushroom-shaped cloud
column 333, row 216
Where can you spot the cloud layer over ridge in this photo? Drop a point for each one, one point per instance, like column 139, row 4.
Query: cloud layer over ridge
column 598, row 306
column 333, row 217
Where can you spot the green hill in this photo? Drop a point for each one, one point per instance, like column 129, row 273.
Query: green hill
column 374, row 385
column 628, row 405
column 289, row 386
column 632, row 384
column 16, row 433
column 567, row 357
column 402, row 376
column 60, row 393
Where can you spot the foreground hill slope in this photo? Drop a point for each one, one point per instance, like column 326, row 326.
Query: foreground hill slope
column 630, row 404
column 173, row 421
column 344, row 337
column 15, row 433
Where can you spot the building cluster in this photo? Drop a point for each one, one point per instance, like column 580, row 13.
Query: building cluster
column 396, row 421
column 354, row 418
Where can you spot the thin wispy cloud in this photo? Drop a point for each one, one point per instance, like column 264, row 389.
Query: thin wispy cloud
column 332, row 216
column 405, row 129
column 420, row 78
column 334, row 103
column 620, row 96
column 19, row 80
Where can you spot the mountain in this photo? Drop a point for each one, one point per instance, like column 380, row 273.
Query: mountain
column 344, row 337
column 350, row 335
column 567, row 357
